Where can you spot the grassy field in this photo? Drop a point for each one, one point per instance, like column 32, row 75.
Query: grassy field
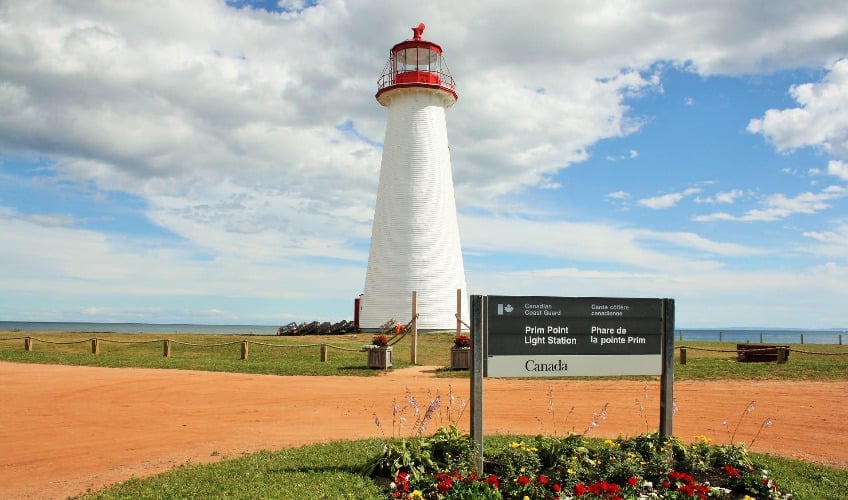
column 266, row 354
column 332, row 470
column 301, row 355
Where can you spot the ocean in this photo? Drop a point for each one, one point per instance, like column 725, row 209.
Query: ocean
column 785, row 336
column 47, row 326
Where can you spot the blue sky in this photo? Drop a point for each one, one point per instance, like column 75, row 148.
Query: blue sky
column 225, row 170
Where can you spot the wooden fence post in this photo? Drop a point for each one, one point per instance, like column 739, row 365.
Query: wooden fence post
column 323, row 353
column 243, row 349
column 166, row 348
column 682, row 355
column 458, row 312
column 95, row 346
column 781, row 354
column 28, row 343
column 414, row 350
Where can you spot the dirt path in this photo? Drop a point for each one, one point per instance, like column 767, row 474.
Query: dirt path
column 66, row 429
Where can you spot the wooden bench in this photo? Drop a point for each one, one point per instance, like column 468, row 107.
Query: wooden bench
column 756, row 353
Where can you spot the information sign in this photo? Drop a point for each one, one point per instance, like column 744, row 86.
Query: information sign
column 532, row 336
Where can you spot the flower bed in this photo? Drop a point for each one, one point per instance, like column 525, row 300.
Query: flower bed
column 462, row 342
column 553, row 467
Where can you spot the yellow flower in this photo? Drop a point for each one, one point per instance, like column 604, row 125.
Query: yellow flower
column 703, row 439
column 417, row 495
column 610, row 443
column 526, row 497
column 746, row 497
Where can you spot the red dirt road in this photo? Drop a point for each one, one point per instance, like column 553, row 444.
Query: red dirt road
column 66, row 429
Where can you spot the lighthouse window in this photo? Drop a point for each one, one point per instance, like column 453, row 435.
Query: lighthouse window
column 417, row 59
column 435, row 62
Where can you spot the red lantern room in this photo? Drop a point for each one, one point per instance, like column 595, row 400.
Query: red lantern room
column 416, row 63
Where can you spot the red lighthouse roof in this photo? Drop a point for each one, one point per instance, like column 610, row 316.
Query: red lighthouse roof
column 416, row 63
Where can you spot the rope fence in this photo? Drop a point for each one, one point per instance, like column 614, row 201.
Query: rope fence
column 753, row 353
column 400, row 331
column 166, row 344
column 763, row 349
column 764, row 337
column 779, row 353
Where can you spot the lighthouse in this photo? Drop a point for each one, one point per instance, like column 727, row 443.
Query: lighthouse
column 415, row 244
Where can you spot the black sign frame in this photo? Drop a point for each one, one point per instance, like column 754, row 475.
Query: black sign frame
column 645, row 317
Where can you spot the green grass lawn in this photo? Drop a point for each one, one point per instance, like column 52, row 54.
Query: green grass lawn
column 301, row 355
column 271, row 355
column 334, row 470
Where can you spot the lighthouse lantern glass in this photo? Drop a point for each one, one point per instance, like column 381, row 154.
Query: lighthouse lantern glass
column 418, row 59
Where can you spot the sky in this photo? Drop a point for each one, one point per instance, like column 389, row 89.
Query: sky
column 216, row 162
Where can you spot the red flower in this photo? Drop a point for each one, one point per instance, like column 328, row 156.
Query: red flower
column 632, row 481
column 445, row 486
column 543, row 480
column 580, row 489
column 492, row 480
column 681, row 476
column 731, row 471
column 462, row 341
column 523, row 480
column 602, row 488
column 380, row 340
column 556, row 487
column 445, row 482
column 402, row 482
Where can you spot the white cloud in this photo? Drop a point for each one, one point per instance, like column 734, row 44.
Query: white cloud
column 619, row 195
column 669, row 200
column 598, row 244
column 90, row 264
column 629, row 156
column 722, row 197
column 832, row 244
column 779, row 206
column 838, row 168
column 702, row 296
column 47, row 220
column 820, row 121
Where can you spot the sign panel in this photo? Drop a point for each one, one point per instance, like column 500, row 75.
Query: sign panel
column 532, row 336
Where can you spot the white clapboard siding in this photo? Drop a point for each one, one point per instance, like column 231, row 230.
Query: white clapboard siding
column 415, row 244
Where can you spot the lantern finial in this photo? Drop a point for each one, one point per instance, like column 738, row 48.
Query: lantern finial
column 418, row 31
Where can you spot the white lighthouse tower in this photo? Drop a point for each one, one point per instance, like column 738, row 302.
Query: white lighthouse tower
column 415, row 242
